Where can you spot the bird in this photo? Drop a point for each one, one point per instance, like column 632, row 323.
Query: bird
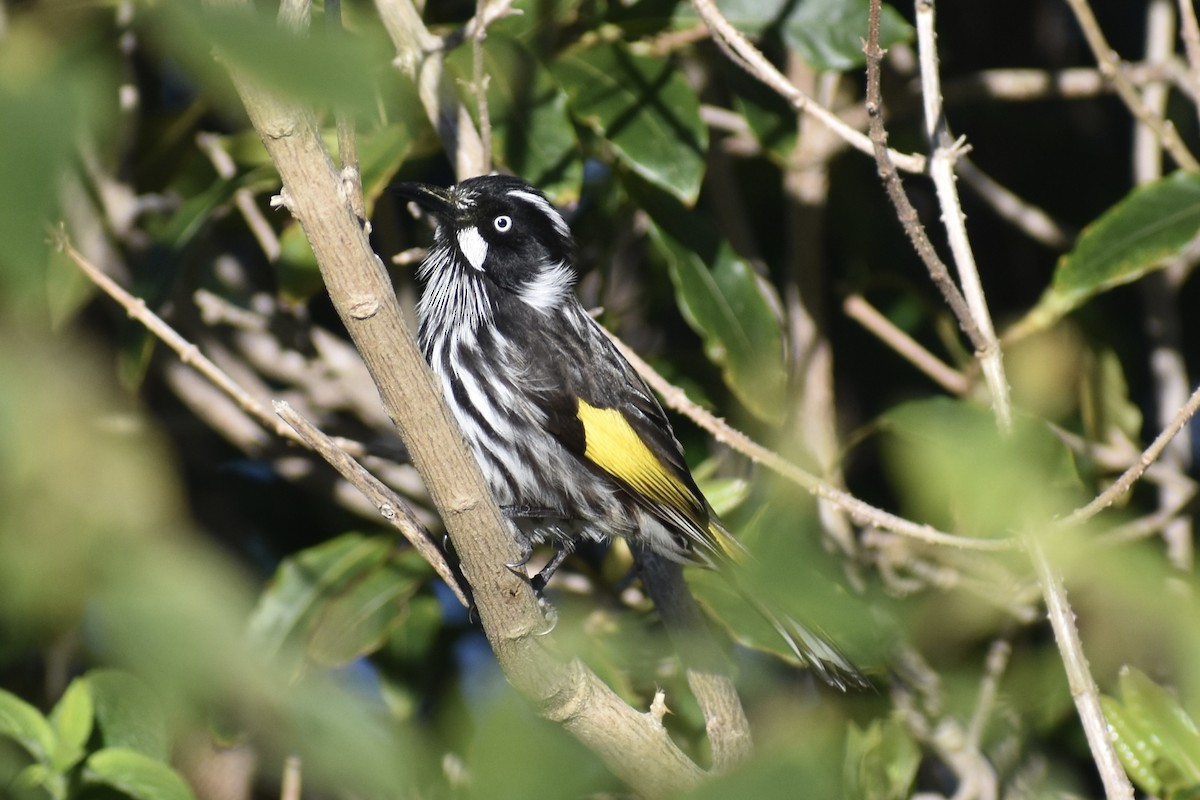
column 572, row 443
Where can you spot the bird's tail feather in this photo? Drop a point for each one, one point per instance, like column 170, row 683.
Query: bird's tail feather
column 811, row 648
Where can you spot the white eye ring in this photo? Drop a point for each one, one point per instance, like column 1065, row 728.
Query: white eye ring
column 502, row 223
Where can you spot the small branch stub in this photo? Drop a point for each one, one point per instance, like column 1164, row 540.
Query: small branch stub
column 364, row 308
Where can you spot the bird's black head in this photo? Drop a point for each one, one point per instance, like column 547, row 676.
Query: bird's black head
column 501, row 230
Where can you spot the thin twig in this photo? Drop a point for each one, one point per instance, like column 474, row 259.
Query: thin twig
column 188, row 353
column 1123, row 484
column 1145, row 526
column 289, row 788
column 1119, row 458
column 1023, row 85
column 1026, row 217
column 941, row 169
column 1190, row 31
column 390, row 505
column 989, row 688
column 950, row 379
column 421, row 55
column 1110, row 67
column 1160, row 299
column 243, row 198
column 904, row 209
column 1083, row 686
column 293, row 427
column 751, row 59
column 862, row 512
column 1160, row 43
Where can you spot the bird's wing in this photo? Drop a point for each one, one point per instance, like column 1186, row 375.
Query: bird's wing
column 600, row 410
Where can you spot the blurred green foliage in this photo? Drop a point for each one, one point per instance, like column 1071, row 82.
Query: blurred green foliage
column 1157, row 740
column 169, row 574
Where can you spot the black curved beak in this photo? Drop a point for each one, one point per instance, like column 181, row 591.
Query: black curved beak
column 434, row 199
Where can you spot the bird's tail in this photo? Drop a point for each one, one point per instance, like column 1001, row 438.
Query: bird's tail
column 729, row 557
column 811, row 648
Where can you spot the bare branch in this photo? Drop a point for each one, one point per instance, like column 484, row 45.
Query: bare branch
column 751, row 59
column 950, row 379
column 1124, row 483
column 635, row 746
column 1110, row 67
column 485, row 13
column 420, row 55
column 1026, row 217
column 941, row 168
column 390, row 505
column 1079, row 676
column 904, row 209
column 1160, row 298
column 863, row 513
column 188, row 353
column 1191, row 44
column 210, row 145
column 1022, row 85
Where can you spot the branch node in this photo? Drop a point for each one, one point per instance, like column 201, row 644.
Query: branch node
column 461, row 504
column 282, row 200
column 364, row 307
column 658, row 707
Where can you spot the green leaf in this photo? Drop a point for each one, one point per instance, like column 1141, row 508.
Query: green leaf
column 644, row 109
column 881, row 761
column 724, row 494
column 72, row 719
column 40, row 776
column 1156, row 740
column 380, row 154
column 1135, row 749
column 532, row 132
column 302, row 580
column 1159, row 714
column 828, row 34
column 730, row 307
column 341, row 598
column 417, row 632
column 135, row 774
column 53, row 98
column 128, row 713
column 359, row 619
column 961, row 473
column 726, row 303
column 1137, row 235
column 318, row 67
column 26, row 726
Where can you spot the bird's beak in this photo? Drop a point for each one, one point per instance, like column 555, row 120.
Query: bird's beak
column 434, row 199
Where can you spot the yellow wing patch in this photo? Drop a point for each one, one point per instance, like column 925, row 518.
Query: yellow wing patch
column 612, row 444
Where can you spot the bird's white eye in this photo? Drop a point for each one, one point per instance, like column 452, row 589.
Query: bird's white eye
column 502, row 223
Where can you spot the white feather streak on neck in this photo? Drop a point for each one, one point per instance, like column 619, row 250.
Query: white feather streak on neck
column 455, row 301
column 548, row 287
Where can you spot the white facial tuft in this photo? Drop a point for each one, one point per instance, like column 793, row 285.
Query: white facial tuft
column 548, row 287
column 473, row 246
column 540, row 203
